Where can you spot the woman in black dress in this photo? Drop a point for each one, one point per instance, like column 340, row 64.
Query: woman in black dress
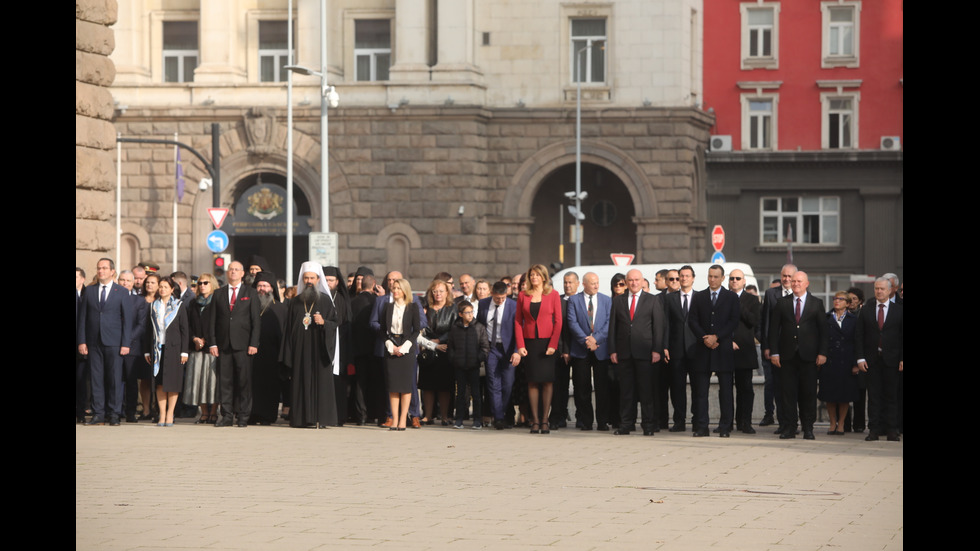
column 537, row 327
column 165, row 346
column 435, row 373
column 838, row 376
column 401, row 325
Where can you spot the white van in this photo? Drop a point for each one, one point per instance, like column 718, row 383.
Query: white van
column 649, row 271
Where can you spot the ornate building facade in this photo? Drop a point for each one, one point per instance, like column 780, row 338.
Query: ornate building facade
column 454, row 142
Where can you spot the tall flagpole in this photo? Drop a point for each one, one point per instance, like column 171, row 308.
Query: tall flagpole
column 176, row 176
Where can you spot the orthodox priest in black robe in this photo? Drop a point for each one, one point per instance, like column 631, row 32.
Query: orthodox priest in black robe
column 267, row 371
column 343, row 377
column 309, row 347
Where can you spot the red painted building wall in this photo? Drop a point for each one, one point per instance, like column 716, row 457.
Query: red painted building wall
column 799, row 115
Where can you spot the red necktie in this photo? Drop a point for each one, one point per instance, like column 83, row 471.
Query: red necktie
column 632, row 307
column 231, row 304
column 881, row 316
column 798, row 300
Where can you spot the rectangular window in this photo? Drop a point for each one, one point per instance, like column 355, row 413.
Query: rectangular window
column 179, row 51
column 273, row 50
column 372, row 49
column 840, row 123
column 841, row 33
column 588, row 49
column 760, row 35
column 760, row 32
column 760, row 124
column 801, row 220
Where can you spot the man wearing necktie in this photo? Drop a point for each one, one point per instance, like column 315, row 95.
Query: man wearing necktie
column 235, row 339
column 682, row 344
column 772, row 391
column 496, row 313
column 713, row 319
column 879, row 347
column 104, row 335
column 798, row 346
column 588, row 322
column 636, row 339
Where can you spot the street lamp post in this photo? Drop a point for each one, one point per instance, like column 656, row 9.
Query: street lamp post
column 578, row 151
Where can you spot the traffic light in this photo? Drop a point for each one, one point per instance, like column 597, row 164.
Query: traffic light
column 220, row 262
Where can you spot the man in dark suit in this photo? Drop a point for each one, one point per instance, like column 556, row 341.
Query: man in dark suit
column 369, row 373
column 879, row 347
column 235, row 339
column 496, row 313
column 107, row 320
column 588, row 322
column 563, row 361
column 798, row 346
column 130, row 383
column 636, row 338
column 713, row 319
column 772, row 391
column 746, row 360
column 681, row 343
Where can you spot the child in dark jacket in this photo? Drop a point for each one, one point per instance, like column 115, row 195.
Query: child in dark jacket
column 467, row 347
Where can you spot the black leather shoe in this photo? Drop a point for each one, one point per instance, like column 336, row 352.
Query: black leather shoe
column 97, row 420
column 678, row 427
column 872, row 437
column 725, row 434
column 131, row 418
column 747, row 429
column 780, row 430
column 808, row 435
column 583, row 427
column 647, row 432
column 225, row 422
column 766, row 421
column 788, row 434
column 113, row 421
column 701, row 432
column 602, row 427
column 621, row 432
column 893, row 437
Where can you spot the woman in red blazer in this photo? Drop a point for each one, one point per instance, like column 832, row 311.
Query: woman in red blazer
column 537, row 326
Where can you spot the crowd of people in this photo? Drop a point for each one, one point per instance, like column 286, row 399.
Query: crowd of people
column 364, row 350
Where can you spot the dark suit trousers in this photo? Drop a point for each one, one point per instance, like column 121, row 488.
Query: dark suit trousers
column 559, row 398
column 500, row 380
column 679, row 370
column 700, row 386
column 105, row 366
column 235, row 383
column 130, row 384
column 744, row 397
column 637, row 378
column 799, row 389
column 772, row 397
column 585, row 372
column 882, row 396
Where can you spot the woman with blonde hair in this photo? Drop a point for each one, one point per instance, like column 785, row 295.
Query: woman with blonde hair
column 537, row 326
column 401, row 325
column 435, row 372
column 200, row 377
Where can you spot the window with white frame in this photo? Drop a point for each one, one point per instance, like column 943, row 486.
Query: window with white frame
column 801, row 220
column 839, row 121
column 180, row 51
column 760, row 35
column 588, row 50
column 273, row 50
column 372, row 49
column 759, row 121
column 841, row 33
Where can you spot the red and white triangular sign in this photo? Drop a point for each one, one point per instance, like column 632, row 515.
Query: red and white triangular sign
column 217, row 217
column 622, row 259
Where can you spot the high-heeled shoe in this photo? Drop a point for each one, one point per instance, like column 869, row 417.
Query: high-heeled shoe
column 535, row 430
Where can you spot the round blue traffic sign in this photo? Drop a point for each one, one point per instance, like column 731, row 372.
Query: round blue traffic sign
column 217, row 241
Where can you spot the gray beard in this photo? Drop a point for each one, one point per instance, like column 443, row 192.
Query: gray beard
column 310, row 294
column 249, row 279
column 265, row 300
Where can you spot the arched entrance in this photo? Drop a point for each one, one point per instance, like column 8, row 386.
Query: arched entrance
column 258, row 225
column 608, row 226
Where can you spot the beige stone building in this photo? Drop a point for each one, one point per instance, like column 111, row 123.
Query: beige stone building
column 454, row 141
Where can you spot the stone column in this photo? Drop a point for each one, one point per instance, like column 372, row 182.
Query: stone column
column 131, row 58
column 222, row 53
column 456, row 43
column 411, row 41
column 95, row 135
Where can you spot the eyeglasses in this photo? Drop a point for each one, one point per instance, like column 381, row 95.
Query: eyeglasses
column 733, row 278
column 621, row 284
column 204, row 283
column 673, row 279
column 842, row 298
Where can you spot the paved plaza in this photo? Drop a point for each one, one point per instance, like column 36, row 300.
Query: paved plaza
column 197, row 487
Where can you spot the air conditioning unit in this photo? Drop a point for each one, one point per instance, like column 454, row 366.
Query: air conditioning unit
column 721, row 143
column 891, row 143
